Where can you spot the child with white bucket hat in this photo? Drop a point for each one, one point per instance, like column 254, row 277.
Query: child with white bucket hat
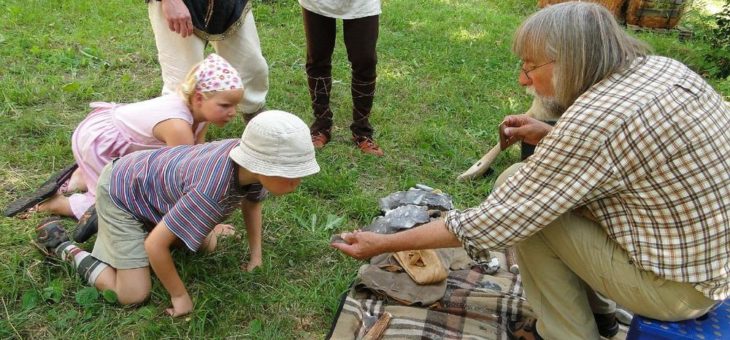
column 149, row 201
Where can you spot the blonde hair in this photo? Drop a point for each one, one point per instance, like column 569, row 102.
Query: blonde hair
column 585, row 42
column 187, row 87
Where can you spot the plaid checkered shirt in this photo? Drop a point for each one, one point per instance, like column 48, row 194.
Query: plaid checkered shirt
column 646, row 152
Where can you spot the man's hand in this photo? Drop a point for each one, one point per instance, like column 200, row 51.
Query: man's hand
column 360, row 245
column 524, row 128
column 178, row 17
column 181, row 305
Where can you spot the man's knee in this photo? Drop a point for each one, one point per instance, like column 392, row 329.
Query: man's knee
column 507, row 173
column 561, row 234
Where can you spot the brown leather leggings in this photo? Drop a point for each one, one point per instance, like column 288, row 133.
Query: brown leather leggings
column 361, row 37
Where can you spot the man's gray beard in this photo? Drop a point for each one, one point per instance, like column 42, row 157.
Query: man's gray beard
column 550, row 104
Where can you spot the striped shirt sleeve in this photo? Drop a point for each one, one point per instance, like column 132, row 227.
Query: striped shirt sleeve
column 193, row 217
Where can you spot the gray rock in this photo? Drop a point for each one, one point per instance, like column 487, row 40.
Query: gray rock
column 400, row 218
column 430, row 198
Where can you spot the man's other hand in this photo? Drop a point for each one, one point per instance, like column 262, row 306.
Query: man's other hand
column 178, row 17
column 524, row 128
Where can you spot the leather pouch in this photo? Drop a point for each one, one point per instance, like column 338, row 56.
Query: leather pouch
column 423, row 266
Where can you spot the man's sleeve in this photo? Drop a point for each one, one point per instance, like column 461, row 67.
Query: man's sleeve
column 564, row 171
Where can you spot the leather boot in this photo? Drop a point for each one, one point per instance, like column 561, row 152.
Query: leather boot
column 319, row 92
column 363, row 93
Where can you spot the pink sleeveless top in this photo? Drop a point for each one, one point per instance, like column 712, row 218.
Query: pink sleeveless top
column 114, row 130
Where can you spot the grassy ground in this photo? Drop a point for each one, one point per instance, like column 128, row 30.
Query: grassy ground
column 446, row 78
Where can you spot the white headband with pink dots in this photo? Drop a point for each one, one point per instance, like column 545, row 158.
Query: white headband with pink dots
column 216, row 74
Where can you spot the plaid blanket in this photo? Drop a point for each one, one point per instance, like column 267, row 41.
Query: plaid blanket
column 475, row 306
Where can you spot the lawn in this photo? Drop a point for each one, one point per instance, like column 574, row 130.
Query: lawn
column 446, row 79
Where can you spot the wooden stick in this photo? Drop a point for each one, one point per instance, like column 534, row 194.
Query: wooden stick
column 480, row 167
column 511, row 260
column 376, row 332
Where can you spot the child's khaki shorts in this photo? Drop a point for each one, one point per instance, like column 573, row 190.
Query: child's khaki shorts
column 120, row 241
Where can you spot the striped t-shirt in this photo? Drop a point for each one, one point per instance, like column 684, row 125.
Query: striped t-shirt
column 189, row 187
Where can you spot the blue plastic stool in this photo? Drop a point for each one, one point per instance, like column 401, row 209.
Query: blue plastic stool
column 714, row 325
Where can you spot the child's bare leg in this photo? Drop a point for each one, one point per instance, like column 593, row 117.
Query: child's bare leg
column 76, row 182
column 132, row 286
column 220, row 230
column 58, row 205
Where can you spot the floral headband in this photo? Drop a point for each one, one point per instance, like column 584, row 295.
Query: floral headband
column 216, row 74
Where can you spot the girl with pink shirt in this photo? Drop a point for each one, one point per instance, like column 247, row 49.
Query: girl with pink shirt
column 209, row 94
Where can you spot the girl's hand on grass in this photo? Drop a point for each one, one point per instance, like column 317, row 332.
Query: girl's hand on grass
column 181, row 305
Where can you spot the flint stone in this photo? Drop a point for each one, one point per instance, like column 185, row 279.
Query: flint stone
column 492, row 266
column 414, row 196
column 400, row 218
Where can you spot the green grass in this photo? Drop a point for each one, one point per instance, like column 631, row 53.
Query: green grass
column 446, row 78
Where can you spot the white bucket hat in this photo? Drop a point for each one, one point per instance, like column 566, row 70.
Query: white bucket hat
column 276, row 143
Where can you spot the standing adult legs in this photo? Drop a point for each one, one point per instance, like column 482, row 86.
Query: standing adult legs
column 361, row 38
column 243, row 50
column 320, row 32
column 177, row 55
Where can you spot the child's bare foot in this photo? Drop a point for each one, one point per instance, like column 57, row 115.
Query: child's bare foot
column 76, row 182
column 221, row 230
column 57, row 204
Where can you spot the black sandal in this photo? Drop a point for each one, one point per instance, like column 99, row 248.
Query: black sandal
column 45, row 191
column 87, row 226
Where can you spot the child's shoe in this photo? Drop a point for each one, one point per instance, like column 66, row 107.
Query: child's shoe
column 50, row 234
column 87, row 226
column 367, row 145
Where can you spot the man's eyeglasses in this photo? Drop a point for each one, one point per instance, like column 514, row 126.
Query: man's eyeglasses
column 527, row 72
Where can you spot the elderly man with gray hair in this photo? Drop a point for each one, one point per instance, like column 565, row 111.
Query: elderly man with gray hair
column 628, row 195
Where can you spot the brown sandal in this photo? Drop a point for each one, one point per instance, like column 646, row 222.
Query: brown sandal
column 319, row 139
column 368, row 146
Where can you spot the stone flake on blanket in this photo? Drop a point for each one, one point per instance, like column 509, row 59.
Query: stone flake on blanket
column 433, row 199
column 400, row 218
